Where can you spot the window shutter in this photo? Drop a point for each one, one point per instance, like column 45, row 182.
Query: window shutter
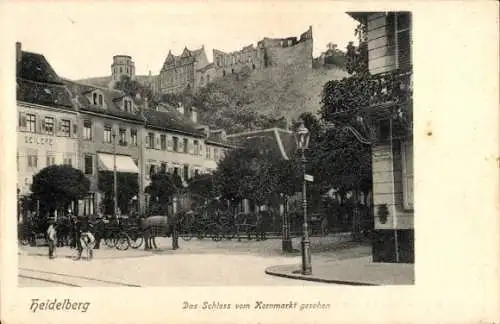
column 157, row 137
column 22, row 120
column 191, row 146
column 148, row 167
column 146, row 141
column 38, row 123
column 56, row 126
column 75, row 130
column 169, row 143
column 42, row 122
column 200, row 150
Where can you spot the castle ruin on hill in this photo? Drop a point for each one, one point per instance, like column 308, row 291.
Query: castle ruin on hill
column 192, row 70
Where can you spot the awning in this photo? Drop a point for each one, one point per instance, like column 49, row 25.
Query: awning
column 123, row 163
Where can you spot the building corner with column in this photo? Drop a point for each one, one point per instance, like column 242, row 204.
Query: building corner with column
column 389, row 37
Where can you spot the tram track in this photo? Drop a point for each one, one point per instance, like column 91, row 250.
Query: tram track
column 69, row 280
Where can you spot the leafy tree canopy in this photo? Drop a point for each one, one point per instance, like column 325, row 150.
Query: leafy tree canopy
column 58, row 185
column 127, row 185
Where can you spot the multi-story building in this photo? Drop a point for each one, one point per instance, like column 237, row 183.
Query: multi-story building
column 110, row 125
column 389, row 40
column 47, row 129
column 178, row 72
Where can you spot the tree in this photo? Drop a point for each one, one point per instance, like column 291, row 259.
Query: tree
column 127, row 185
column 357, row 56
column 202, row 187
column 162, row 188
column 134, row 88
column 58, row 185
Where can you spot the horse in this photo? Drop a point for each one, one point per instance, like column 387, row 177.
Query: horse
column 153, row 226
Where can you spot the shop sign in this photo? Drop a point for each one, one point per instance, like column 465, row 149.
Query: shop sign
column 40, row 140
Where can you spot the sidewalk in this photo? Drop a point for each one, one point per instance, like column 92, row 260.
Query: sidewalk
column 355, row 271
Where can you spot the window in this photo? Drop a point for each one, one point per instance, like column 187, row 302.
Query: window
column 133, row 136
column 48, row 125
column 176, row 170
column 122, row 135
column 100, row 100
column 163, row 167
column 87, row 130
column 32, row 160
column 196, row 147
column 65, row 127
column 216, row 153
column 151, row 140
column 94, row 98
column 407, row 160
column 196, row 172
column 152, row 170
column 176, row 144
column 31, row 123
column 107, row 134
column 67, row 160
column 88, row 164
column 51, row 159
column 163, row 141
column 121, row 70
column 186, row 145
column 185, row 172
column 403, row 39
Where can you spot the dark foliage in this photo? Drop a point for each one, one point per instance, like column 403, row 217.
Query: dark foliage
column 58, row 185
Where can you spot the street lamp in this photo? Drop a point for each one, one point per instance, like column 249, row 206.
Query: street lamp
column 115, row 186
column 302, row 140
column 286, row 243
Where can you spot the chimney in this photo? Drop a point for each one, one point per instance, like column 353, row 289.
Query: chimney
column 194, row 115
column 180, row 108
column 19, row 54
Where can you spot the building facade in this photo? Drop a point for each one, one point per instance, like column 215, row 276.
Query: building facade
column 389, row 52
column 110, row 125
column 47, row 120
column 178, row 72
column 122, row 65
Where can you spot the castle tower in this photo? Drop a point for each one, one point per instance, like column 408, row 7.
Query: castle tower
column 122, row 65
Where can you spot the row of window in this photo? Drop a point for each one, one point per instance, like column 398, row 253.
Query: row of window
column 185, row 171
column 47, row 125
column 32, row 160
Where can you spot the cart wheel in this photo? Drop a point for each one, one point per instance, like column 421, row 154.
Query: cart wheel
column 123, row 242
column 137, row 242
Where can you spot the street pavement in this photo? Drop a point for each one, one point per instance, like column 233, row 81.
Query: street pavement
column 195, row 263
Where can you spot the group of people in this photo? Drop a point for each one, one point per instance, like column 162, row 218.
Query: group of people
column 82, row 236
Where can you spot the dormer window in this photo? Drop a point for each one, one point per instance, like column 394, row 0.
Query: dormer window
column 127, row 105
column 100, row 100
column 94, row 98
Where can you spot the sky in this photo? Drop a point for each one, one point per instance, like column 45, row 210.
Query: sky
column 80, row 39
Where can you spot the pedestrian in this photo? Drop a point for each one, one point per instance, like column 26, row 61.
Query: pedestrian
column 51, row 238
column 83, row 231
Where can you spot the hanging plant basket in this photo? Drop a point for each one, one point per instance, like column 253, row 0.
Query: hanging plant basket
column 382, row 213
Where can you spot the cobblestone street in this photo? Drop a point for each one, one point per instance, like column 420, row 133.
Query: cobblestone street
column 196, row 263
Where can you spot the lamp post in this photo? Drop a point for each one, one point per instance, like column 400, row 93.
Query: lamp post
column 115, row 186
column 302, row 140
column 286, row 243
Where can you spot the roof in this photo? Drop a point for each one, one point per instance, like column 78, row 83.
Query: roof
column 177, row 58
column 279, row 141
column 78, row 91
column 206, row 67
column 359, row 15
column 215, row 138
column 47, row 94
column 172, row 120
column 35, row 67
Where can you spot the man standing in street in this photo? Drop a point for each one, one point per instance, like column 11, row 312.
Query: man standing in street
column 51, row 238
